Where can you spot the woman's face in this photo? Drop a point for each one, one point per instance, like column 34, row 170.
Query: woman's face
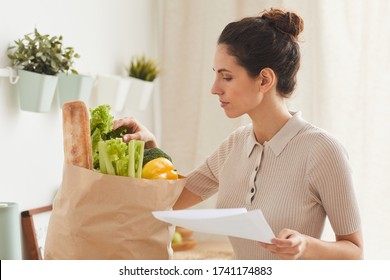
column 238, row 92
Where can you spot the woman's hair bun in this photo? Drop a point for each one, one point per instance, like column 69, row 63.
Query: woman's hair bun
column 286, row 22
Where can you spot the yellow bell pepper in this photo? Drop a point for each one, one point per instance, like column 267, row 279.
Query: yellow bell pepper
column 159, row 168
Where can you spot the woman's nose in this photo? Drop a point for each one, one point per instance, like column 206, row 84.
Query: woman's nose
column 215, row 89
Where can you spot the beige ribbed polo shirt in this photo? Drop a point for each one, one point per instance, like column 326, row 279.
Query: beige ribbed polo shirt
column 297, row 179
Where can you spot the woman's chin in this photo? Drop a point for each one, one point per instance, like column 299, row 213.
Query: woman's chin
column 232, row 115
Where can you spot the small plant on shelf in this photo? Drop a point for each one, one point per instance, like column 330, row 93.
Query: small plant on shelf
column 40, row 60
column 143, row 68
column 42, row 54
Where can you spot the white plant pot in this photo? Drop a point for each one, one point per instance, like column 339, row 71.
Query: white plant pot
column 74, row 87
column 139, row 94
column 112, row 90
column 36, row 91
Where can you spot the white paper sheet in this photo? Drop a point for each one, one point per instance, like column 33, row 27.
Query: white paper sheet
column 237, row 222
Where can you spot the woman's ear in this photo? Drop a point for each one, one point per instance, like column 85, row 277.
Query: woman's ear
column 266, row 79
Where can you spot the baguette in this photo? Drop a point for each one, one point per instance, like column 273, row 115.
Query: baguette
column 76, row 134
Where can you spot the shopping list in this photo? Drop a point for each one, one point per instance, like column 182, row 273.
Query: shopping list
column 236, row 222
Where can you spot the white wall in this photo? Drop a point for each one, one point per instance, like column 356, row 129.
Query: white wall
column 106, row 33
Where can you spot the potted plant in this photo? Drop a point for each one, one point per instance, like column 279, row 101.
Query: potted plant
column 142, row 72
column 74, row 86
column 38, row 59
column 112, row 90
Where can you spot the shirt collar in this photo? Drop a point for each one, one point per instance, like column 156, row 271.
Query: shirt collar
column 282, row 137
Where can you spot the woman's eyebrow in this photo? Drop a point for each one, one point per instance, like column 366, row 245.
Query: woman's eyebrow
column 221, row 70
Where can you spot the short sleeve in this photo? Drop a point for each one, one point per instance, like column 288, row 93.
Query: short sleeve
column 204, row 180
column 330, row 180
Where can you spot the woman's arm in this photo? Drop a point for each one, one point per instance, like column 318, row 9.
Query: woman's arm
column 186, row 200
column 139, row 132
column 290, row 244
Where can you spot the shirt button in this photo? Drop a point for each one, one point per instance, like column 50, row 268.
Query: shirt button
column 252, row 190
column 257, row 168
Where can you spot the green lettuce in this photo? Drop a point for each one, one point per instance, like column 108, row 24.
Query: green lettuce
column 101, row 122
column 110, row 154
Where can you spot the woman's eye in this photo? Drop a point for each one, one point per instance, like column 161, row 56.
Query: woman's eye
column 227, row 78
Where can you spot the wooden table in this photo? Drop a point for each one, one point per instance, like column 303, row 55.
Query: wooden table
column 206, row 250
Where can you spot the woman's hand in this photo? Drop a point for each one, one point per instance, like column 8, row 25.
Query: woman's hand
column 138, row 132
column 288, row 244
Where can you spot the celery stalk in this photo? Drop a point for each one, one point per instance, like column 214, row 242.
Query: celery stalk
column 102, row 163
column 136, row 155
column 105, row 159
column 140, row 152
column 131, row 158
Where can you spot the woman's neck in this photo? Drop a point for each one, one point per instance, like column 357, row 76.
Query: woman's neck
column 269, row 118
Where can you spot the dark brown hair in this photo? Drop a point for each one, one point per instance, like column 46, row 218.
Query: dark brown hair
column 269, row 40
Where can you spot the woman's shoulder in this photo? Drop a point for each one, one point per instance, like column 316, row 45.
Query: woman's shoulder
column 322, row 141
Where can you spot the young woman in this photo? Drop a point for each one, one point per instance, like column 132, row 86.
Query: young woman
column 296, row 173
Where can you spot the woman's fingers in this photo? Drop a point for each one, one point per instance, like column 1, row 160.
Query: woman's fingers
column 129, row 122
column 288, row 244
column 136, row 131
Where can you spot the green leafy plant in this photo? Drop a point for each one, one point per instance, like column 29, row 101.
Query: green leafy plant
column 143, row 68
column 110, row 154
column 42, row 54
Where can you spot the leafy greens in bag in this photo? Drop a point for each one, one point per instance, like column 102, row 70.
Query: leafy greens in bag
column 110, row 154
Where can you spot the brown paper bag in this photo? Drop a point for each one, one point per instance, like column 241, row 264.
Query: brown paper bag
column 98, row 216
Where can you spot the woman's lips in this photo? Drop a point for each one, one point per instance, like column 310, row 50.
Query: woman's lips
column 223, row 103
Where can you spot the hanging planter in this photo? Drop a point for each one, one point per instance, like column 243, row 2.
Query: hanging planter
column 140, row 93
column 39, row 58
column 112, row 90
column 74, row 87
column 36, row 91
column 142, row 73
